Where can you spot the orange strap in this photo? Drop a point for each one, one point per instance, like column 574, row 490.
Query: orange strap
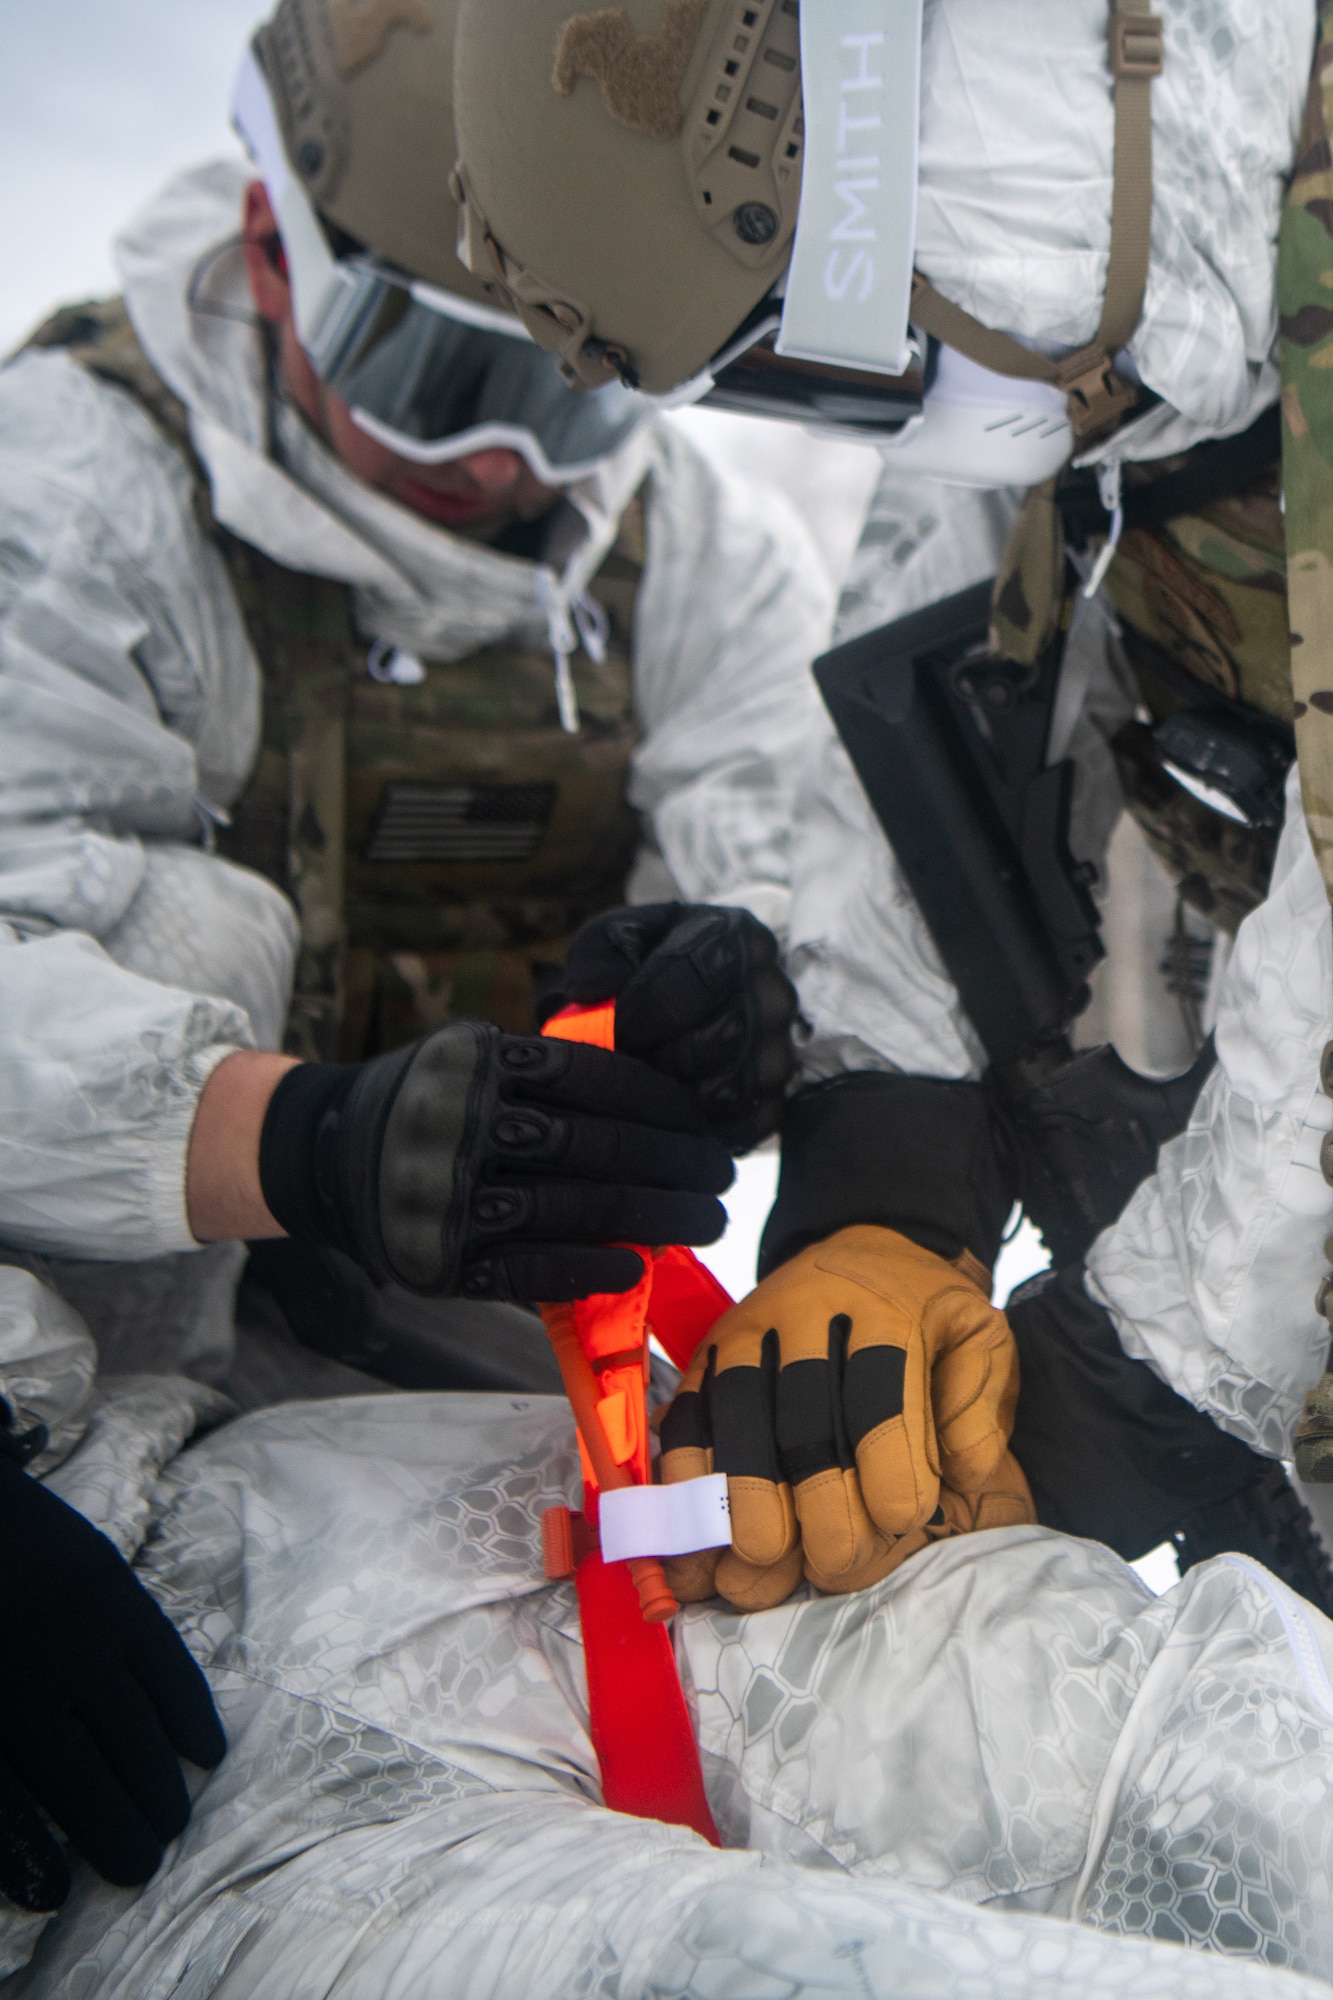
column 638, row 1719
column 637, row 1716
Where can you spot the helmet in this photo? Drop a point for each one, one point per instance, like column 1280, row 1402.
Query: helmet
column 630, row 180
column 346, row 109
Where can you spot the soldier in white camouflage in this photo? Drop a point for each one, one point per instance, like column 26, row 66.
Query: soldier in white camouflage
column 356, row 666
column 1057, row 268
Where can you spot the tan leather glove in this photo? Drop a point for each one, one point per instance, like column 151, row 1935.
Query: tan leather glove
column 860, row 1402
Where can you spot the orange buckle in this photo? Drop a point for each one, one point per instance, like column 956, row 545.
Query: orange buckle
column 1136, row 45
column 567, row 1538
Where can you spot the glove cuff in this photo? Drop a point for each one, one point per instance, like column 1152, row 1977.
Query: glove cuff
column 910, row 1153
column 296, row 1167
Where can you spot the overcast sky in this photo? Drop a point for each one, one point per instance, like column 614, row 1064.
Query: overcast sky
column 99, row 100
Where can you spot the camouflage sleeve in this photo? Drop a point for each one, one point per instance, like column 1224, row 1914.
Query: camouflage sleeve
column 1306, row 329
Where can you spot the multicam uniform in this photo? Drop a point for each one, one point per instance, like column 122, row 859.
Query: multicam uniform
column 460, row 834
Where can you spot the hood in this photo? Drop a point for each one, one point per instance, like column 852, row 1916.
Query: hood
column 277, row 486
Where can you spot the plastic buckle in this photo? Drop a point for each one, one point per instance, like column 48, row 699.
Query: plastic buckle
column 1136, row 45
column 1098, row 399
column 567, row 1538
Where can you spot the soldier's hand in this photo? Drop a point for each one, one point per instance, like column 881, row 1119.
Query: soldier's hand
column 860, row 1402
column 492, row 1166
column 99, row 1699
column 699, row 994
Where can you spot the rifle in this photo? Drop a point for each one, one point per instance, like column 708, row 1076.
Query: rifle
column 949, row 742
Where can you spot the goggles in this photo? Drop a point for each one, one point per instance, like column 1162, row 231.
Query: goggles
column 753, row 377
column 428, row 374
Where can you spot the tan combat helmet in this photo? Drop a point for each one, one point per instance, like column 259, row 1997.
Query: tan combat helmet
column 363, row 92
column 630, row 175
column 346, row 109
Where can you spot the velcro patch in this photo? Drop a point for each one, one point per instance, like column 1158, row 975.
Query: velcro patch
column 640, row 75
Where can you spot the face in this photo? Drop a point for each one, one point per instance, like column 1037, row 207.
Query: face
column 479, row 495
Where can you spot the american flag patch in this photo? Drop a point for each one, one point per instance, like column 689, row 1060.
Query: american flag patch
column 460, row 822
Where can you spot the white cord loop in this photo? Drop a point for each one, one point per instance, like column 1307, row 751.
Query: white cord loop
column 564, row 643
column 1108, row 487
column 210, row 817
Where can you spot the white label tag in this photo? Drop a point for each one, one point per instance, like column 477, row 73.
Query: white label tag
column 665, row 1520
column 850, row 281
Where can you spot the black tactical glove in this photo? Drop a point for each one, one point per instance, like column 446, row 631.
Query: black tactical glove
column 98, row 1700
column 496, row 1166
column 699, row 995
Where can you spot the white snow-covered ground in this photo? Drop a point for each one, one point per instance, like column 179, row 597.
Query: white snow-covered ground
column 99, row 101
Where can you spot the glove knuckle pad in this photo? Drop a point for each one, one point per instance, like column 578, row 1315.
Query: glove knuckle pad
column 531, row 1060
column 501, row 1211
column 526, row 1133
column 441, row 1093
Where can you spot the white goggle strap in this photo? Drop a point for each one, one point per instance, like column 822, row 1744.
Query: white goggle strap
column 319, row 288
column 850, row 279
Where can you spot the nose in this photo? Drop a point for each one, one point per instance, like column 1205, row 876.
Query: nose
column 493, row 471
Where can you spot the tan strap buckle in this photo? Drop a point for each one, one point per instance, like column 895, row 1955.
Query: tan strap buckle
column 1136, row 45
column 1098, row 399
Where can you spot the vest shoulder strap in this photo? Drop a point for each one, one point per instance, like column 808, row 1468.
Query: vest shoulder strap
column 1098, row 400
